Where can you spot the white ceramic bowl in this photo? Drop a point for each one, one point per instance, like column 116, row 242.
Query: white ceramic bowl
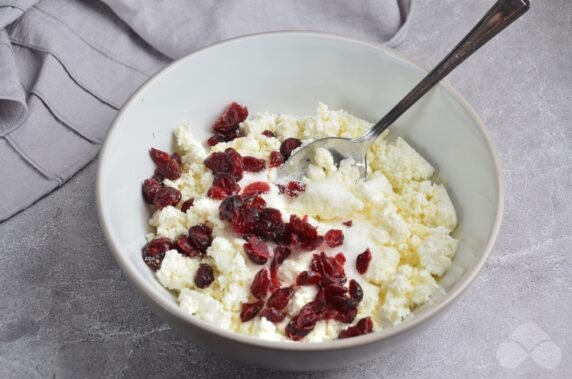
column 290, row 73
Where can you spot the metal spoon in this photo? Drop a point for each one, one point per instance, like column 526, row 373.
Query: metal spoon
column 502, row 14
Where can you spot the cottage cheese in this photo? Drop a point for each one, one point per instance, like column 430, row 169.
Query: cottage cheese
column 403, row 217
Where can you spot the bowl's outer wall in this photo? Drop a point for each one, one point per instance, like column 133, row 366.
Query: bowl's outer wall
column 291, row 73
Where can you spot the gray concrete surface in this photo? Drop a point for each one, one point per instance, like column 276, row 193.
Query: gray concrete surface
column 67, row 312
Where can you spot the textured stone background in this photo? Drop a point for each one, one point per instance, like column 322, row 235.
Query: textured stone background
column 66, row 310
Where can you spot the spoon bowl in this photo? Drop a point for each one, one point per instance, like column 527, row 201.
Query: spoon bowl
column 340, row 149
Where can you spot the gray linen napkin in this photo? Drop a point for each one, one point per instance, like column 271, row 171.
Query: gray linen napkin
column 67, row 66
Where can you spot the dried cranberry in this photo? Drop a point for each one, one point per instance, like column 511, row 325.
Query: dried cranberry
column 249, row 310
column 228, row 209
column 346, row 317
column 273, row 315
column 280, row 298
column 306, row 278
column 276, row 159
column 176, row 157
column 259, row 286
column 200, row 236
column 184, row 247
column 253, row 201
column 218, row 138
column 217, row 193
column 256, row 251
column 167, row 196
column 150, row 189
column 305, row 236
column 316, row 264
column 223, row 186
column 293, row 188
column 274, row 279
column 236, row 169
column 348, row 223
column 187, row 204
column 269, row 134
column 270, row 221
column 252, row 164
column 362, row 261
column 246, row 220
column 281, row 252
column 256, row 188
column 342, row 303
column 219, row 163
column 296, row 332
column 154, row 252
column 167, row 166
column 331, row 267
column 204, row 276
column 159, row 156
column 340, row 260
column 288, row 146
column 334, row 238
column 230, row 119
column 363, row 326
column 356, row 291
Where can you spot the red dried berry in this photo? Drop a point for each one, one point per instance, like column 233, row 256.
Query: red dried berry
column 249, row 310
column 281, row 252
column 150, row 189
column 230, row 119
column 292, row 189
column 342, row 303
column 218, row 138
column 363, row 326
column 348, row 223
column 217, row 193
column 200, row 236
column 276, row 159
column 340, row 260
column 307, row 278
column 187, row 204
column 219, row 163
column 280, row 298
column 256, row 251
column 246, row 220
column 184, row 247
column 288, row 146
column 154, row 252
column 273, row 315
column 223, row 186
column 204, row 276
column 334, row 238
column 236, row 169
column 229, row 207
column 250, row 201
column 356, row 291
column 269, row 134
column 346, row 317
column 331, row 267
column 304, row 235
column 260, row 284
column 176, row 157
column 362, row 261
column 159, row 156
column 252, row 164
column 274, row 279
column 256, row 188
column 167, row 196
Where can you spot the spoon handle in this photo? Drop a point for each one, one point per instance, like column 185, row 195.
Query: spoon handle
column 502, row 14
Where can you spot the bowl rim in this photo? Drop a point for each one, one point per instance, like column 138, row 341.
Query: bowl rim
column 146, row 287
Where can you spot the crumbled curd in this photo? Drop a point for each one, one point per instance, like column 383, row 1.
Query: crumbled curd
column 398, row 213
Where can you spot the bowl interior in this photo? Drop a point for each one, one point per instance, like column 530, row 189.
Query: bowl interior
column 291, row 73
